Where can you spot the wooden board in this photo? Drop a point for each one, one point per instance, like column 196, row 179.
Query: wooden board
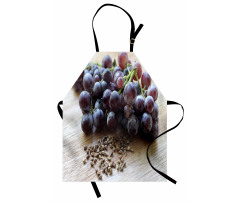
column 74, row 140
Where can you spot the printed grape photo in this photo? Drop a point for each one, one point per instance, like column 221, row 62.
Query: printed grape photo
column 111, row 114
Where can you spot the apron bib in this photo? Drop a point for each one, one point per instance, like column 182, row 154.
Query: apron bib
column 112, row 115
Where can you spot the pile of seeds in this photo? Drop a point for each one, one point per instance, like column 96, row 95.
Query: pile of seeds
column 102, row 156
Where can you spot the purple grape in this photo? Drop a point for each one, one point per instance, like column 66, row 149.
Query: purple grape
column 105, row 98
column 139, row 104
column 117, row 68
column 122, row 60
column 101, row 70
column 97, row 90
column 99, row 105
column 107, row 61
column 149, row 104
column 112, row 86
column 153, row 91
column 87, row 123
column 107, row 76
column 117, row 75
column 146, row 122
column 98, row 119
column 154, row 113
column 103, row 85
column 111, row 121
column 132, row 125
column 129, row 93
column 145, row 80
column 125, row 71
column 155, row 129
column 96, row 73
column 137, row 66
column 137, row 87
column 96, row 79
column 120, row 82
column 88, row 82
column 85, row 101
column 127, row 111
column 115, row 101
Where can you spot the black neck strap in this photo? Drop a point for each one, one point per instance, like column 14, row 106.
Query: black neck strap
column 161, row 173
column 133, row 33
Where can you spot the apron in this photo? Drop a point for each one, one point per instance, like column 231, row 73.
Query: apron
column 114, row 96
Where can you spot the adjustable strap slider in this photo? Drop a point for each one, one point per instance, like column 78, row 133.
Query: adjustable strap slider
column 132, row 41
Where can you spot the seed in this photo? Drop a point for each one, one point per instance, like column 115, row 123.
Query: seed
column 100, row 177
column 120, row 152
column 84, row 161
column 92, row 154
column 95, row 160
column 92, row 164
column 111, row 155
column 117, row 167
column 85, row 148
column 88, row 157
column 118, row 162
column 109, row 159
column 124, row 164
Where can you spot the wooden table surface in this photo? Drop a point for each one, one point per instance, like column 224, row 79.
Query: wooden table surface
column 74, row 140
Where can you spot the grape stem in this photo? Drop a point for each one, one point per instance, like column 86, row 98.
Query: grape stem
column 139, row 84
column 128, row 78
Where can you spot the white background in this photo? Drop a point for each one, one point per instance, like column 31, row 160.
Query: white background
column 191, row 50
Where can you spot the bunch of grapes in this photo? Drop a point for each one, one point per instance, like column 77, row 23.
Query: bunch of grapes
column 118, row 95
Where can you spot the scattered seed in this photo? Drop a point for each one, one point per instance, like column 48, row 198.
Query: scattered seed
column 84, row 161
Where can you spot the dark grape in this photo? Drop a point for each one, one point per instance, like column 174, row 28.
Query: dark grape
column 104, row 85
column 155, row 129
column 111, row 121
column 86, row 71
column 127, row 111
column 101, row 70
column 120, row 82
column 78, row 85
column 96, row 73
column 98, row 119
column 129, row 93
column 154, row 113
column 115, row 101
column 112, row 86
column 94, row 67
column 107, row 76
column 137, row 66
column 85, row 101
column 96, row 79
column 137, row 87
column 99, row 105
column 87, row 123
column 146, row 122
column 122, row 60
column 105, row 98
column 88, row 82
column 149, row 104
column 132, row 125
column 107, row 61
column 117, row 75
column 117, row 68
column 145, row 80
column 97, row 90
column 139, row 104
column 153, row 91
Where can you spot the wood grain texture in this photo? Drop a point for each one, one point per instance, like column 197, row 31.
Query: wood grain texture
column 74, row 140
